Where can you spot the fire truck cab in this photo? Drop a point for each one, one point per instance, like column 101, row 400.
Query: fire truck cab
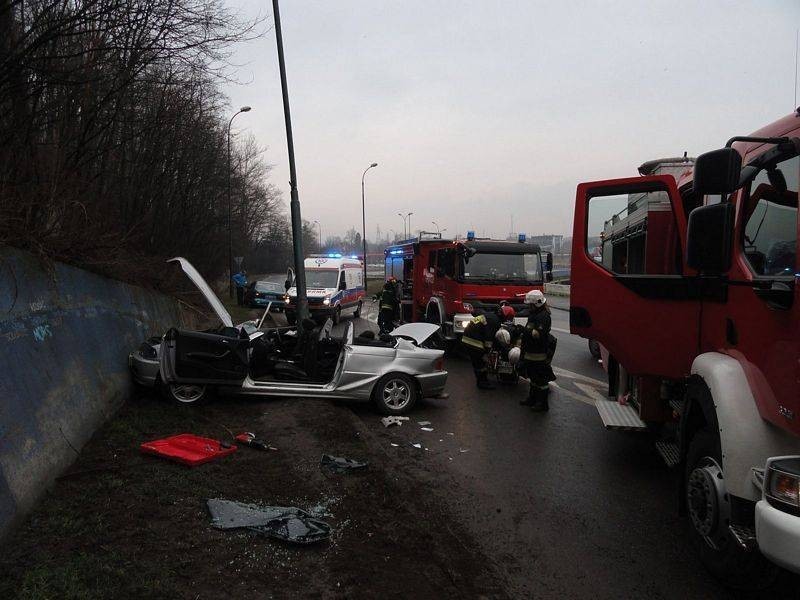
column 694, row 296
column 445, row 281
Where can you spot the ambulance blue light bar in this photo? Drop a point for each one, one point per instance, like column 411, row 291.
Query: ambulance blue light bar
column 470, row 236
column 335, row 255
column 397, row 251
column 522, row 238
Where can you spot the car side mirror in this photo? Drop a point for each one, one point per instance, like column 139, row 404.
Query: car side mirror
column 717, row 172
column 709, row 238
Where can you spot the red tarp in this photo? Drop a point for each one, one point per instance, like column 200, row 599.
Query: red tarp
column 187, row 448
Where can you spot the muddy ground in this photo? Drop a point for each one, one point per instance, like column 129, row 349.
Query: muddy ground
column 123, row 524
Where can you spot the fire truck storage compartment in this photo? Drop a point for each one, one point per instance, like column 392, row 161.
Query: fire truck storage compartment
column 400, row 265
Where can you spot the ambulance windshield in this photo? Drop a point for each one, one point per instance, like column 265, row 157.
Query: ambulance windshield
column 322, row 278
column 504, row 267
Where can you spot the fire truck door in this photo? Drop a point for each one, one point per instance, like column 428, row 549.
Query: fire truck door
column 628, row 287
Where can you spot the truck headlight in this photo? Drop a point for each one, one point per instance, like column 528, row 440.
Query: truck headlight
column 782, row 483
column 327, row 300
column 286, row 298
column 460, row 324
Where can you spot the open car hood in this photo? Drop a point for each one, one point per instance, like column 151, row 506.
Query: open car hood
column 419, row 332
column 201, row 284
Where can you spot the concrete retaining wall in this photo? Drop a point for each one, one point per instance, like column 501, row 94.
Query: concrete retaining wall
column 64, row 339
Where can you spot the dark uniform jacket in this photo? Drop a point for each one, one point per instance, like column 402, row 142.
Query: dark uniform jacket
column 535, row 338
column 388, row 300
column 479, row 333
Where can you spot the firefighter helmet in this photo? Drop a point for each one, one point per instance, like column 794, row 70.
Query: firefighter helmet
column 507, row 312
column 536, row 298
column 503, row 337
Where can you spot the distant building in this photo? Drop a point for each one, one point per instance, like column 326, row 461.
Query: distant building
column 548, row 243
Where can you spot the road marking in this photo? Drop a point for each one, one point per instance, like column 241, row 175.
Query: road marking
column 589, row 391
column 573, row 395
column 578, row 376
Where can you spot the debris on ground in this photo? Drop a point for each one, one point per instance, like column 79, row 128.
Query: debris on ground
column 393, row 420
column 423, row 423
column 188, row 449
column 426, row 428
column 286, row 523
column 297, row 529
column 419, row 446
column 227, row 514
column 249, row 438
column 462, row 450
column 395, row 445
column 337, row 464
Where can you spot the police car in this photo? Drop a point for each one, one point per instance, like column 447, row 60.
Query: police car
column 334, row 283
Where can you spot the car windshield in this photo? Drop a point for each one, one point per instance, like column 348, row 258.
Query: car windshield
column 268, row 286
column 517, row 267
column 322, row 278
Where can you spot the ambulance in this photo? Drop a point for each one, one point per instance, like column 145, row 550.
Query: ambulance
column 334, row 283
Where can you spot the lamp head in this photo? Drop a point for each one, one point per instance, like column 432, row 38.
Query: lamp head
column 245, row 109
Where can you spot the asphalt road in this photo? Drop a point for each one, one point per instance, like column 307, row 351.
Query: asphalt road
column 567, row 508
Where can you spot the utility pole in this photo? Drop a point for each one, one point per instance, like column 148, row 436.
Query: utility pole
column 297, row 221
column 364, row 222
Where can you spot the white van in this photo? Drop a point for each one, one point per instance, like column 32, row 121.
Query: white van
column 333, row 283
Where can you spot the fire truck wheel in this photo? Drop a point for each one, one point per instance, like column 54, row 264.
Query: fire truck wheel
column 709, row 510
column 395, row 394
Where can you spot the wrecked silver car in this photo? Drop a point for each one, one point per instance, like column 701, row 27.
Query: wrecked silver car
column 391, row 371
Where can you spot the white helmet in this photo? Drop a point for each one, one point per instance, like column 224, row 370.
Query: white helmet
column 536, row 298
column 514, row 355
column 503, row 337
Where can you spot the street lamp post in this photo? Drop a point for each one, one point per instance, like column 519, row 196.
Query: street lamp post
column 402, row 216
column 297, row 221
column 410, row 233
column 320, row 235
column 435, row 224
column 230, row 226
column 364, row 222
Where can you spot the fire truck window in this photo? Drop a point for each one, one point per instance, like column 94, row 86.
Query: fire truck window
column 770, row 212
column 446, row 264
column 633, row 234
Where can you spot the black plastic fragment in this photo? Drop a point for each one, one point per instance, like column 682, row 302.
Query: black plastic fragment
column 337, row 464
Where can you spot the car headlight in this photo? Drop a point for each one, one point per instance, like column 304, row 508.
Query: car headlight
column 286, row 298
column 147, row 351
column 327, row 300
column 782, row 483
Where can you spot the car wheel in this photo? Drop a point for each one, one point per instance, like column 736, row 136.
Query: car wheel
column 187, row 393
column 357, row 314
column 291, row 318
column 337, row 315
column 395, row 394
column 708, row 506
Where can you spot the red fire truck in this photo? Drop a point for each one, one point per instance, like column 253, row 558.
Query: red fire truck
column 445, row 281
column 703, row 340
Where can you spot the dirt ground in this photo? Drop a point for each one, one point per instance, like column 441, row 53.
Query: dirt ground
column 123, row 524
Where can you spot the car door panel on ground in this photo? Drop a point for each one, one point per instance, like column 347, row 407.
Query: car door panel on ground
column 627, row 246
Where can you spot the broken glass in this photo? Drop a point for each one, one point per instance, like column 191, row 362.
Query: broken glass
column 337, row 464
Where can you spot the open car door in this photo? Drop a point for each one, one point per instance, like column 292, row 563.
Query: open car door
column 629, row 288
column 204, row 358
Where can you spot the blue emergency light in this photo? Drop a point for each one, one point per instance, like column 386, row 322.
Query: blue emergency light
column 522, row 238
column 354, row 256
column 470, row 236
column 397, row 251
column 334, row 255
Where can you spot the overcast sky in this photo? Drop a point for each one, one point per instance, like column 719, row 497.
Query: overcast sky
column 477, row 111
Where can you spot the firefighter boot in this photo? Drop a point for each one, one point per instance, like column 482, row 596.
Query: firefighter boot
column 541, row 404
column 483, row 382
column 531, row 399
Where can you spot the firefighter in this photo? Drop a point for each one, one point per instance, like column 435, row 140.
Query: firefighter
column 477, row 341
column 387, row 306
column 538, row 347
